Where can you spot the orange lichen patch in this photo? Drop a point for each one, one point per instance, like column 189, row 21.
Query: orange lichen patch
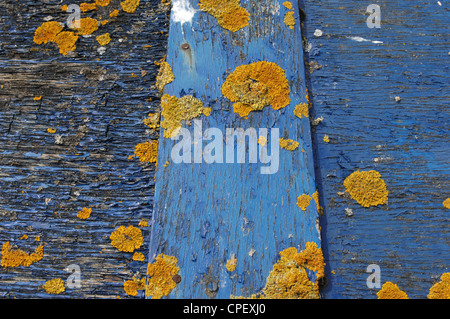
column 103, row 39
column 51, row 130
column 289, row 279
column 86, row 26
column 288, row 5
column 262, row 141
column 87, row 7
column 102, row 3
column 303, row 201
column 54, row 286
column 85, row 213
column 289, row 19
column 131, row 287
column 103, row 22
column 391, row 291
column 288, row 144
column 206, row 111
column 301, row 110
column 66, row 42
column 231, row 263
column 229, row 14
column 315, row 196
column 161, row 272
column 242, row 109
column 175, row 110
column 441, row 290
column 138, row 256
column 446, row 203
column 367, row 188
column 114, row 13
column 16, row 257
column 252, row 87
column 152, row 121
column 147, row 152
column 127, row 239
column 129, row 5
column 47, row 32
column 143, row 223
column 326, row 138
column 25, row 236
column 64, row 7
column 165, row 75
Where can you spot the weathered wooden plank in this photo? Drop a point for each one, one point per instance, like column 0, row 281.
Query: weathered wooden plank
column 353, row 88
column 206, row 213
column 96, row 103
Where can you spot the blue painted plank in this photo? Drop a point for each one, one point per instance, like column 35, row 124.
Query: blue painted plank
column 205, row 213
column 407, row 141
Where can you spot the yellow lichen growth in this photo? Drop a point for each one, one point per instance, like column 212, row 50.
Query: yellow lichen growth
column 289, row 279
column 127, row 239
column 54, row 286
column 229, row 14
column 206, row 111
column 114, row 13
column 262, row 141
column 288, row 144
column 289, row 19
column 391, row 291
column 303, row 201
column 131, row 287
column 138, row 256
column 446, row 203
column 103, row 39
column 231, row 263
column 152, row 121
column 86, row 26
column 47, row 32
column 129, row 5
column 64, row 7
column 87, row 7
column 165, row 75
column 301, row 110
column 51, row 130
column 367, row 188
column 16, row 257
column 252, row 87
column 441, row 290
column 102, row 3
column 143, row 223
column 147, row 152
column 66, row 42
column 315, row 196
column 326, row 138
column 288, row 5
column 175, row 110
column 161, row 272
column 85, row 213
column 25, row 236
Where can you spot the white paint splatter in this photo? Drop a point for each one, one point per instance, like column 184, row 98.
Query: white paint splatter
column 360, row 39
column 318, row 33
column 182, row 11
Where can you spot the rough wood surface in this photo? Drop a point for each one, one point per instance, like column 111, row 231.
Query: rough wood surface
column 96, row 102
